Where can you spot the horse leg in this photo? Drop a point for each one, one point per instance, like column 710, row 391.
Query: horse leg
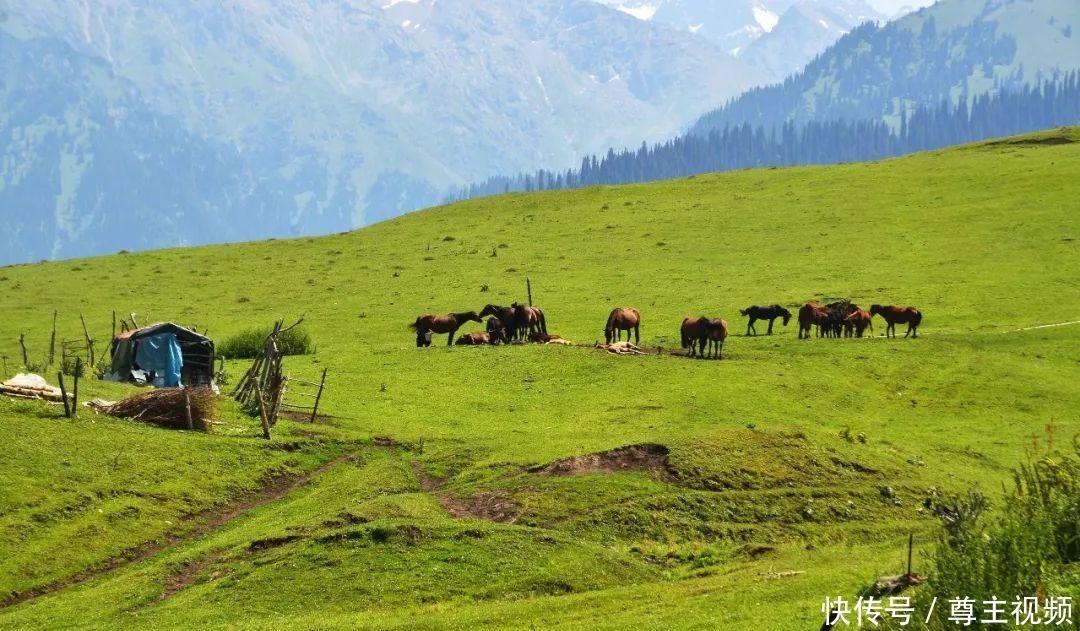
column 771, row 320
column 750, row 326
column 637, row 335
column 450, row 337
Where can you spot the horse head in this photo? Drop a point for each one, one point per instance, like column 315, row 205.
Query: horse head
column 876, row 310
column 784, row 313
column 469, row 315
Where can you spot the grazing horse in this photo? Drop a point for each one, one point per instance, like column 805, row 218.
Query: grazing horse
column 859, row 319
column 898, row 315
column 507, row 316
column 474, row 339
column 695, row 334
column 623, row 319
column 769, row 313
column 427, row 324
column 810, row 314
column 718, row 330
column 529, row 320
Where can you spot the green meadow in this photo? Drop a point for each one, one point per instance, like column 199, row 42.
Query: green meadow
column 794, row 469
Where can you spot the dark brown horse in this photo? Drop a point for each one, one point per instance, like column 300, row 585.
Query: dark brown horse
column 834, row 324
column 496, row 330
column 898, row 315
column 695, row 335
column 623, row 319
column 770, row 313
column 427, row 324
column 507, row 316
column 859, row 320
column 811, row 314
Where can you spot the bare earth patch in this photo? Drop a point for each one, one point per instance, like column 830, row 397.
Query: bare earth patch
column 648, row 457
column 493, row 506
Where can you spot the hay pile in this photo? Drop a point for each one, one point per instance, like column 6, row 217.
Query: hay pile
column 168, row 407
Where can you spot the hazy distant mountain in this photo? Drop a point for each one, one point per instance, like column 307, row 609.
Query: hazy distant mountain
column 804, row 31
column 953, row 49
column 128, row 124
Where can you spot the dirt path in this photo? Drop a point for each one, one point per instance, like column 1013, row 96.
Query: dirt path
column 211, row 520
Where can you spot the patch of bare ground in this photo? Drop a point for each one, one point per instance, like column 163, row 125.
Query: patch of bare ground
column 428, row 483
column 493, row 506
column 185, row 578
column 648, row 457
column 209, row 520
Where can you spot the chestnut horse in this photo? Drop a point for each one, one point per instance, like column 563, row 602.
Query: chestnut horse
column 695, row 335
column 859, row 320
column 718, row 330
column 769, row 313
column 474, row 339
column 623, row 319
column 810, row 314
column 529, row 320
column 898, row 315
column 449, row 323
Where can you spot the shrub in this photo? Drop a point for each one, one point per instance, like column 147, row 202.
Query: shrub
column 249, row 344
column 1029, row 546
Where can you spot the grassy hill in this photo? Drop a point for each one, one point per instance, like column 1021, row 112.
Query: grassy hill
column 793, row 469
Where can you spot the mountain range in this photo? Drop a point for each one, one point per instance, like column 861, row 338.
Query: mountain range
column 266, row 118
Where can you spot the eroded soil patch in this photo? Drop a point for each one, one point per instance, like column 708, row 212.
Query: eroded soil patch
column 648, row 457
column 493, row 506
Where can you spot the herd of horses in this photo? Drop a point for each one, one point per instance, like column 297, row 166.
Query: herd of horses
column 702, row 336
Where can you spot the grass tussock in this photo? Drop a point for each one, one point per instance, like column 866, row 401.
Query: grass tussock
column 249, row 343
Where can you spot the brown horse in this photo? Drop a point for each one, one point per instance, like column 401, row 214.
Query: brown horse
column 859, row 320
column 623, row 319
column 695, row 335
column 810, row 314
column 718, row 331
column 529, row 320
column 898, row 315
column 427, row 324
column 474, row 339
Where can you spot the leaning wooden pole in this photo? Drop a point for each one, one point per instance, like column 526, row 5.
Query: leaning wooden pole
column 528, row 289
column 187, row 410
column 89, row 341
column 22, row 343
column 910, row 545
column 318, row 396
column 262, row 413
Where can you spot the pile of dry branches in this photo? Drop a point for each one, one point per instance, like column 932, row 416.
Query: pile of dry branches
column 179, row 408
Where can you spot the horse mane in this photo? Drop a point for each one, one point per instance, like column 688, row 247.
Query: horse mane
column 416, row 324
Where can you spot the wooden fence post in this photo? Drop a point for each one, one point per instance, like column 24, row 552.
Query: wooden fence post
column 22, row 343
column 318, row 396
column 52, row 340
column 63, row 393
column 528, row 289
column 187, row 410
column 910, row 545
column 75, row 395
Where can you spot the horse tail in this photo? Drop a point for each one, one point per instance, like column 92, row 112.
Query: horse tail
column 918, row 317
column 685, row 340
column 543, row 322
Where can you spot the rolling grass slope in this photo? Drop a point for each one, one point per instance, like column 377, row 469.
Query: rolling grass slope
column 815, row 457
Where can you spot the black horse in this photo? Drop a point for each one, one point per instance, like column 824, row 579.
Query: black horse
column 769, row 313
column 507, row 316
